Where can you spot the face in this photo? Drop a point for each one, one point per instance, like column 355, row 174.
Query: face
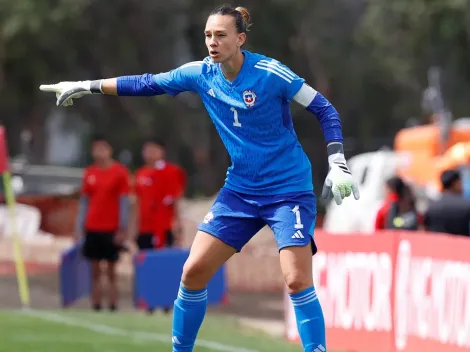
column 101, row 151
column 457, row 187
column 222, row 39
column 152, row 152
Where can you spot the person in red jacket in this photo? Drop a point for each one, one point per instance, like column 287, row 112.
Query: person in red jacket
column 148, row 194
column 171, row 186
column 158, row 186
column 391, row 197
column 102, row 217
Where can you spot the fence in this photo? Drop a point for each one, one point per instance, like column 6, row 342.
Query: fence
column 392, row 291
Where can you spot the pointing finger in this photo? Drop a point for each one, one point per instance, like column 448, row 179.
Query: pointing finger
column 49, row 87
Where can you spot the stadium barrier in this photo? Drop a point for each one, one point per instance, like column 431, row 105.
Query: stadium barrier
column 392, row 291
column 157, row 279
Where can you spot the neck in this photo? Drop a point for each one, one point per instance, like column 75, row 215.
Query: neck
column 104, row 163
column 152, row 163
column 232, row 67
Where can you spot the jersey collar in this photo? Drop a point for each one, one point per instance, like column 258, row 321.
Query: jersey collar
column 160, row 164
column 241, row 74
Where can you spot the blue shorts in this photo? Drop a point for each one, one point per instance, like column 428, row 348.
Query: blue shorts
column 235, row 218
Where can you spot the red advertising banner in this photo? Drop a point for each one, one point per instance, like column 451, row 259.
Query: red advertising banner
column 432, row 303
column 392, row 291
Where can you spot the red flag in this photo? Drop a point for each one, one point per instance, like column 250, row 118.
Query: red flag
column 3, row 151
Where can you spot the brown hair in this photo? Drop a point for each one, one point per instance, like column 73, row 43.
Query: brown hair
column 240, row 14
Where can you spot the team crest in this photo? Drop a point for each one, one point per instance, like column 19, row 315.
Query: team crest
column 209, row 217
column 249, row 97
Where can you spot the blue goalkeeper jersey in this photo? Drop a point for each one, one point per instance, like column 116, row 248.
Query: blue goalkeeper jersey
column 252, row 116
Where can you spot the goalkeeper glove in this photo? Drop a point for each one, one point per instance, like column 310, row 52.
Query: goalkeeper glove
column 339, row 181
column 67, row 91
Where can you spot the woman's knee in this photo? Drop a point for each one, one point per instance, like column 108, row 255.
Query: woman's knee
column 195, row 275
column 297, row 281
column 208, row 254
column 296, row 265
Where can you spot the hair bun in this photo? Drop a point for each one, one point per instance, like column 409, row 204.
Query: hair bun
column 246, row 16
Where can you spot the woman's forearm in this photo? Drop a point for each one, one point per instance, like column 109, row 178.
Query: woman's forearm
column 109, row 86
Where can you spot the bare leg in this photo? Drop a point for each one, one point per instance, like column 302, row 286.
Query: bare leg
column 207, row 255
column 113, row 294
column 296, row 266
column 96, row 293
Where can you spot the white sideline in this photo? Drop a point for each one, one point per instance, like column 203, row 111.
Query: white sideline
column 137, row 335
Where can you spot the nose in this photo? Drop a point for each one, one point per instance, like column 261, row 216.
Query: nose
column 212, row 42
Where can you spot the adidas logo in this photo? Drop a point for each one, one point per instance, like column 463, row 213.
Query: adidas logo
column 319, row 348
column 175, row 340
column 211, row 92
column 298, row 234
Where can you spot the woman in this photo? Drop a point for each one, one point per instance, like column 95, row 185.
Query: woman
column 401, row 213
column 269, row 182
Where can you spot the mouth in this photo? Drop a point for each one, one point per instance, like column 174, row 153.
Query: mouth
column 213, row 53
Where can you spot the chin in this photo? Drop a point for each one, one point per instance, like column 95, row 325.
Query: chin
column 217, row 59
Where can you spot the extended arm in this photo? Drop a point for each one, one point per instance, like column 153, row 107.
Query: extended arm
column 138, row 85
column 181, row 79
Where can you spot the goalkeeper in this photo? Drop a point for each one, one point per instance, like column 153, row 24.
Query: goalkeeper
column 247, row 96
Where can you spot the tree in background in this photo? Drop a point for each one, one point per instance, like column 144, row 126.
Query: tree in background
column 369, row 57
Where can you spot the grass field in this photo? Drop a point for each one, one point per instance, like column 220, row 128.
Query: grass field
column 78, row 331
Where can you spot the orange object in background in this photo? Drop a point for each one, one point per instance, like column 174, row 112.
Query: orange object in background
column 429, row 156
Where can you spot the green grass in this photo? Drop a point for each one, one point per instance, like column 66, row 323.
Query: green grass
column 73, row 331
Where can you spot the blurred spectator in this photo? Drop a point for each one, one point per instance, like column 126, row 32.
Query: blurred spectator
column 451, row 213
column 146, row 188
column 103, row 217
column 402, row 213
column 391, row 185
column 158, row 187
column 398, row 210
column 171, row 189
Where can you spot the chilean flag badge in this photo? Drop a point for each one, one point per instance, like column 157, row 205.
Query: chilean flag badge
column 249, row 97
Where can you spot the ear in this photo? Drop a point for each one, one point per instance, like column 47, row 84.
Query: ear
column 241, row 39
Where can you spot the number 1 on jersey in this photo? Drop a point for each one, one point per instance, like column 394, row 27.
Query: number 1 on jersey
column 236, row 123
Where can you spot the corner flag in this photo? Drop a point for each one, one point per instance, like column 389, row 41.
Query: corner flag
column 10, row 201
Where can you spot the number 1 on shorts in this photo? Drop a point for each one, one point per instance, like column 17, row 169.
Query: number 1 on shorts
column 298, row 221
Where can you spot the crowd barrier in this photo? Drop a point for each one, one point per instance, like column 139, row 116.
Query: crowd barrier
column 74, row 276
column 156, row 280
column 392, row 291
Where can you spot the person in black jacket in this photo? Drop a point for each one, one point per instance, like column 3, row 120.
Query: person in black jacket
column 451, row 213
